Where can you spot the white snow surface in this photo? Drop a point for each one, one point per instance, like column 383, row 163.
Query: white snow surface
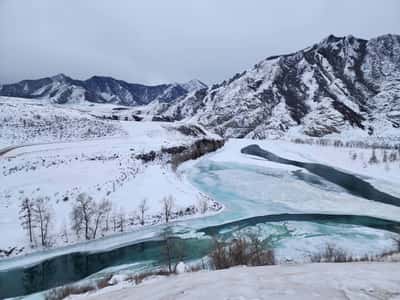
column 338, row 157
column 105, row 167
column 311, row 281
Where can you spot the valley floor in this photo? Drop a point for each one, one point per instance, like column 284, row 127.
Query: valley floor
column 101, row 161
column 311, row 281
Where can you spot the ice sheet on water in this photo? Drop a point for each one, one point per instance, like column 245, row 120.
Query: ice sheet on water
column 299, row 240
column 249, row 191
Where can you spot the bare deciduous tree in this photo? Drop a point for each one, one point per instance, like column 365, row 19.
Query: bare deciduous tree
column 121, row 221
column 393, row 156
column 89, row 217
column 101, row 212
column 82, row 215
column 167, row 204
column 26, row 217
column 42, row 217
column 173, row 250
column 385, row 156
column 142, row 210
column 373, row 159
column 114, row 221
column 64, row 233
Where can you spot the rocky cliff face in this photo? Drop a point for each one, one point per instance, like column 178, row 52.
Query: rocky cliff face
column 340, row 85
column 62, row 89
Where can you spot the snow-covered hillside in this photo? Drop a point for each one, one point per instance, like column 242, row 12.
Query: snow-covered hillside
column 338, row 87
column 24, row 121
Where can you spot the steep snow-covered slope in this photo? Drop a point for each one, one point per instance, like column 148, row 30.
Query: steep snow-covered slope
column 62, row 89
column 338, row 85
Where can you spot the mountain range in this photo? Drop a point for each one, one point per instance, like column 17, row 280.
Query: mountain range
column 341, row 85
column 62, row 89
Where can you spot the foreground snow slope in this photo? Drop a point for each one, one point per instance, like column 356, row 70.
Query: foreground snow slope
column 312, row 281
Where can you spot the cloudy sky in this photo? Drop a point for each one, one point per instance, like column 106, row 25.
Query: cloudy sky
column 151, row 41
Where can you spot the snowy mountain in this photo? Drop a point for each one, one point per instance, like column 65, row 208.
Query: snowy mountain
column 340, row 85
column 194, row 85
column 63, row 89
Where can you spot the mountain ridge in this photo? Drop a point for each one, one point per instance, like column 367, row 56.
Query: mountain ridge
column 63, row 89
column 341, row 84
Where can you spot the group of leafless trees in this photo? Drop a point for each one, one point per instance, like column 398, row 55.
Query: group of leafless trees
column 88, row 219
column 386, row 156
column 36, row 216
column 345, row 144
column 331, row 253
column 376, row 157
column 247, row 250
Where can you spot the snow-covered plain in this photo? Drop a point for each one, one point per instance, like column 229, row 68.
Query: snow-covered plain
column 92, row 170
column 313, row 281
column 105, row 167
column 25, row 121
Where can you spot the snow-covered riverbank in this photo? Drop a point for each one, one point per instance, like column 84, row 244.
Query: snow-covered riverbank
column 310, row 281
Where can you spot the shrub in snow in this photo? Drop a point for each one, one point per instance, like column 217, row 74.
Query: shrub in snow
column 330, row 254
column 249, row 251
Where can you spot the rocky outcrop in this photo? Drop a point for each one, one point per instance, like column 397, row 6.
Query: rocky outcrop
column 179, row 154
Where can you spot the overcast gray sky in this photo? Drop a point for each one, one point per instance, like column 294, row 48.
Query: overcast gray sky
column 151, row 41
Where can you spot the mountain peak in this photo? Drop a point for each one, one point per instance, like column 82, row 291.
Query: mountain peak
column 98, row 77
column 194, row 85
column 60, row 77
